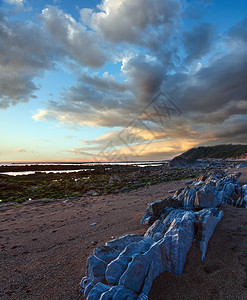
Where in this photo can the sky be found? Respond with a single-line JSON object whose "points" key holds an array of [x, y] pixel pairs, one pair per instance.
{"points": [[115, 80]]}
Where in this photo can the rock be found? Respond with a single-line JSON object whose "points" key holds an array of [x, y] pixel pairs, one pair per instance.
{"points": [[133, 261], [97, 291], [206, 197], [197, 183], [189, 198], [121, 242], [157, 207], [244, 189], [124, 189], [118, 266], [103, 255], [208, 219], [180, 162], [96, 267], [93, 224], [189, 181], [242, 165], [106, 253], [178, 192], [92, 193], [167, 254], [202, 177], [114, 179], [157, 227], [148, 218], [129, 264], [118, 293]]}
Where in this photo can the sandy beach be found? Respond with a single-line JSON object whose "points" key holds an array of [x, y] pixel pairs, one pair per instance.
{"points": [[44, 247]]}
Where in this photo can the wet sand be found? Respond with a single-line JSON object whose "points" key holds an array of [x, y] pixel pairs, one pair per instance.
{"points": [[44, 247]]}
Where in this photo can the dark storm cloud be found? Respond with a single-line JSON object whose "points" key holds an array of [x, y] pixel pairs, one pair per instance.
{"points": [[233, 129], [25, 52], [213, 87], [198, 41], [145, 75]]}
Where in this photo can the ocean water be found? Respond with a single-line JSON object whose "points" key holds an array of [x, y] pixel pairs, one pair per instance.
{"points": [[9, 164]]}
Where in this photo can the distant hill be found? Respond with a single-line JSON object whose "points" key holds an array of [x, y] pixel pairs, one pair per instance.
{"points": [[219, 151]]}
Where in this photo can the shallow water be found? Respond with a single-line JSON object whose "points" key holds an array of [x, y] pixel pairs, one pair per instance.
{"points": [[33, 172]]}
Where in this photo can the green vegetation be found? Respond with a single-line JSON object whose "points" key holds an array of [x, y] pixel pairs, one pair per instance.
{"points": [[219, 151], [74, 185]]}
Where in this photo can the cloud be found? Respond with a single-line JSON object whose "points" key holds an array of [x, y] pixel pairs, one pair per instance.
{"points": [[146, 74], [18, 3], [202, 72], [27, 50], [20, 150], [25, 53], [80, 44], [143, 22], [109, 151], [198, 41]]}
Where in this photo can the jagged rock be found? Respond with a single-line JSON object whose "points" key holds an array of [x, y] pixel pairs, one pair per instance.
{"points": [[244, 189], [157, 227], [198, 183], [242, 165], [148, 218], [103, 255], [189, 181], [97, 291], [207, 221], [130, 264], [156, 209], [118, 266], [118, 293], [172, 191], [187, 197], [167, 254], [206, 197], [142, 259], [202, 177], [178, 192]]}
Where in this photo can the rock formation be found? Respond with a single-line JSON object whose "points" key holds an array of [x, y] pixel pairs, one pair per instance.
{"points": [[124, 268]]}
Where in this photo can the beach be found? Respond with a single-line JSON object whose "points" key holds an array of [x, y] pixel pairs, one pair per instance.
{"points": [[45, 246]]}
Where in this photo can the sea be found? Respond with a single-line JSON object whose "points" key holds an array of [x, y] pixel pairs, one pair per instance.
{"points": [[79, 164]]}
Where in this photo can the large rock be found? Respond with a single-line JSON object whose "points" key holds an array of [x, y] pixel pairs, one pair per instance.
{"points": [[118, 266], [130, 263], [164, 247], [206, 197], [207, 221], [156, 209]]}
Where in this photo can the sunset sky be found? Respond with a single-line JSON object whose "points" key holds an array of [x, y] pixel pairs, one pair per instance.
{"points": [[120, 79]]}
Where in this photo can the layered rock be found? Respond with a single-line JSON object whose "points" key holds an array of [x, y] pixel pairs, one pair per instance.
{"points": [[125, 268]]}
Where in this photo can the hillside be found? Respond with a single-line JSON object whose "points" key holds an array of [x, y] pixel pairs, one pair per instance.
{"points": [[219, 151]]}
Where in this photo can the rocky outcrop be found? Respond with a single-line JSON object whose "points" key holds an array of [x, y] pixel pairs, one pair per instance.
{"points": [[125, 268], [180, 162]]}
